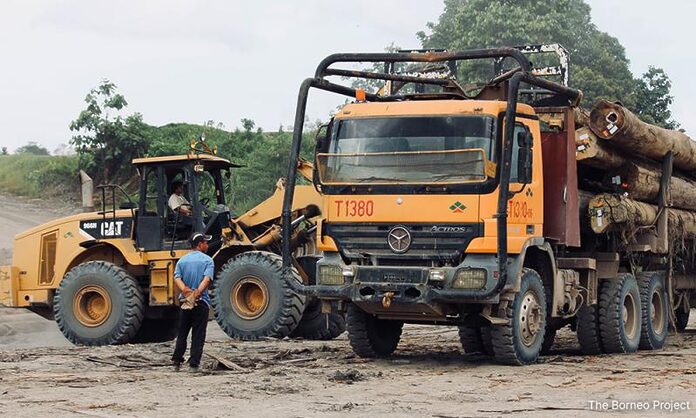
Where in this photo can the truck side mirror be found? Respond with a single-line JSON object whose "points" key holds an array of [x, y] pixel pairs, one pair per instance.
{"points": [[525, 140]]}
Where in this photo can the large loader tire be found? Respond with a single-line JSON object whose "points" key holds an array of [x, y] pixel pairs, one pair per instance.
{"points": [[315, 325], [620, 314], [370, 336], [252, 300], [519, 341], [161, 329], [476, 339], [654, 307], [98, 303]]}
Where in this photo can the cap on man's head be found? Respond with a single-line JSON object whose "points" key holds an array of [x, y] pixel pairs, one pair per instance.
{"points": [[197, 238]]}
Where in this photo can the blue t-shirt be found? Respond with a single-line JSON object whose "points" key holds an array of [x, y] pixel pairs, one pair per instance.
{"points": [[191, 269]]}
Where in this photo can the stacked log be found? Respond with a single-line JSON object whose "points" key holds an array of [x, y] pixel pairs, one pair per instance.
{"points": [[626, 153], [591, 151], [615, 123], [608, 210]]}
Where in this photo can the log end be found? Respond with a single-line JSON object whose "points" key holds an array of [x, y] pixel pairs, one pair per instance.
{"points": [[600, 212], [607, 119], [585, 144]]}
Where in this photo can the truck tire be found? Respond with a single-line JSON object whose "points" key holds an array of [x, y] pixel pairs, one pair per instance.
{"points": [[315, 325], [519, 341], [654, 311], [588, 330], [476, 339], [549, 338], [682, 319], [252, 300], [370, 336], [620, 314], [98, 303]]}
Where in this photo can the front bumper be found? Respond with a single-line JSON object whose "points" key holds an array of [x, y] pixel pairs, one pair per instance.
{"points": [[405, 286]]}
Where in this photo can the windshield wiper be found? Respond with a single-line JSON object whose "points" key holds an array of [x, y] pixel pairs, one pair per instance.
{"points": [[373, 178], [449, 176]]}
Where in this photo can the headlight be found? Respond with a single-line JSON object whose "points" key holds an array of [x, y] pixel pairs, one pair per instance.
{"points": [[469, 279], [330, 274]]}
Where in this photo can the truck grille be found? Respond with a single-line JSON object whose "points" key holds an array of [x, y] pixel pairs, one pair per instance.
{"points": [[428, 241]]}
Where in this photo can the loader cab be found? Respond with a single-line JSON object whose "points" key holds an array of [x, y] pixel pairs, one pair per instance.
{"points": [[205, 186]]}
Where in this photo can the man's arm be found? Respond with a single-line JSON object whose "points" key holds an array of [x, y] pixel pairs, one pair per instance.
{"points": [[204, 285], [207, 277], [176, 205], [182, 286], [180, 283]]}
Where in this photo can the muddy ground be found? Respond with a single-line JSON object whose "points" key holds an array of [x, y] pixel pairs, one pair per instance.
{"points": [[42, 374]]}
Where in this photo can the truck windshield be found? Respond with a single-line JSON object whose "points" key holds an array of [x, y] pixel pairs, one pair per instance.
{"points": [[410, 150]]}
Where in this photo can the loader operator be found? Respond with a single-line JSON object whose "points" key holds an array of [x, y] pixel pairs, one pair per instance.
{"points": [[192, 275], [180, 205], [177, 201]]}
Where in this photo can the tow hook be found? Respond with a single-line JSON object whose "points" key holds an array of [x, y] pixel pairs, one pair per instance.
{"points": [[387, 299]]}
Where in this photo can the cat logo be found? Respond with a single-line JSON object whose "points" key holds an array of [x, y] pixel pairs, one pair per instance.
{"points": [[457, 207], [106, 228]]}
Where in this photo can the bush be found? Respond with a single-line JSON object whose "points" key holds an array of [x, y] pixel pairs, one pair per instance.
{"points": [[40, 176]]}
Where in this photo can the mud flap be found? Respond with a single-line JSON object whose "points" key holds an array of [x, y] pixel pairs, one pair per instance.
{"points": [[9, 281]]}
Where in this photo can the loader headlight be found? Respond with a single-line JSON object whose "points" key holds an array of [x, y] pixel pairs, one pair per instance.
{"points": [[330, 274], [469, 279]]}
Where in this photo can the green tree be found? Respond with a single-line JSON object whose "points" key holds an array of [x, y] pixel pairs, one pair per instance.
{"points": [[30, 148], [653, 99], [599, 66], [4, 151], [106, 139]]}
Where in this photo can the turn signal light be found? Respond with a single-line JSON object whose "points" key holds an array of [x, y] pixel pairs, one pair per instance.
{"points": [[469, 279], [360, 95], [331, 275]]}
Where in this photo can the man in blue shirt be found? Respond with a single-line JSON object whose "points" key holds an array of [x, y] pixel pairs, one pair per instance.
{"points": [[192, 275]]}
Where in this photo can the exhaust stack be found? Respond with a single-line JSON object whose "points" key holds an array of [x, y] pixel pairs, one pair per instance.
{"points": [[87, 192]]}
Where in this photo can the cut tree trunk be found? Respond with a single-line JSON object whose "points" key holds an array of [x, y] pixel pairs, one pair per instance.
{"points": [[593, 151], [612, 212], [613, 122], [582, 117], [642, 182]]}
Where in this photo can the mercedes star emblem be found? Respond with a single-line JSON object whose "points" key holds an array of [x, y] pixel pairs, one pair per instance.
{"points": [[399, 239]]}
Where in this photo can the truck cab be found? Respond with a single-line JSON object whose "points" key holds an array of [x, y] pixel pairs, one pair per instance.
{"points": [[411, 189]]}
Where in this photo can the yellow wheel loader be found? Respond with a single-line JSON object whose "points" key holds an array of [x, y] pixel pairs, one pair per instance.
{"points": [[107, 276]]}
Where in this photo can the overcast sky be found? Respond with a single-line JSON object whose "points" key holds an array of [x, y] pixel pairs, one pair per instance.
{"points": [[192, 61]]}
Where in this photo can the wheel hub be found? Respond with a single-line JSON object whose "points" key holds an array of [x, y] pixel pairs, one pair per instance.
{"points": [[92, 305], [630, 317], [657, 313], [249, 297], [530, 318]]}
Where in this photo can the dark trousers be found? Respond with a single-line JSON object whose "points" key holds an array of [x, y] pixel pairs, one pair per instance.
{"points": [[196, 319]]}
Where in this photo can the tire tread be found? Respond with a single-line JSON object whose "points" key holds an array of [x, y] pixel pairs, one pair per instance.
{"points": [[292, 303], [134, 304]]}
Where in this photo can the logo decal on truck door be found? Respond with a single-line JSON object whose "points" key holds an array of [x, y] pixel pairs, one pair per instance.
{"points": [[457, 207]]}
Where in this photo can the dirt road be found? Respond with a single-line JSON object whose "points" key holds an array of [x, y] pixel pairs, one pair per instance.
{"points": [[428, 376], [42, 374]]}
